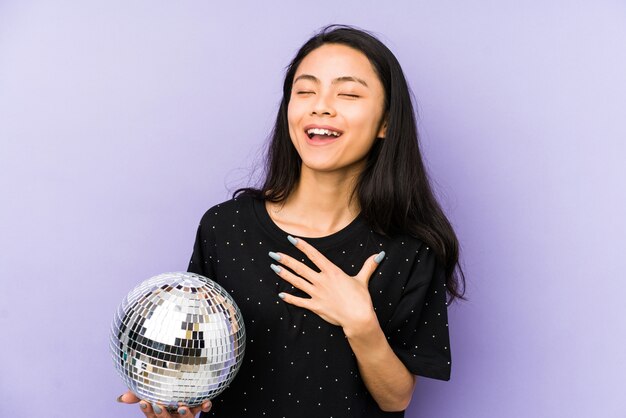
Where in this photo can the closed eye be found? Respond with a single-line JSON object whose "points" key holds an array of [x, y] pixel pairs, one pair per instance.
{"points": [[355, 96], [304, 92]]}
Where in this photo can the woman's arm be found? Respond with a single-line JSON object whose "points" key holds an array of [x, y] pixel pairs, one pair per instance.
{"points": [[387, 379]]}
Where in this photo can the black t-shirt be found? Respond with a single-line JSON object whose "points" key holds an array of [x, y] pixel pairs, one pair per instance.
{"points": [[296, 364]]}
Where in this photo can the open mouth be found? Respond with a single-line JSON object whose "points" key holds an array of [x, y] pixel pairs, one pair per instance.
{"points": [[322, 134]]}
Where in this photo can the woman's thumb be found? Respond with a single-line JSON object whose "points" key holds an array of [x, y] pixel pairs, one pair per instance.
{"points": [[369, 267]]}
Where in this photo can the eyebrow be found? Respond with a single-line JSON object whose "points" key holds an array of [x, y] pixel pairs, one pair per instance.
{"points": [[342, 79]]}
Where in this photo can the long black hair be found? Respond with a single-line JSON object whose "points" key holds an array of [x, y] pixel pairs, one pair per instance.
{"points": [[393, 190]]}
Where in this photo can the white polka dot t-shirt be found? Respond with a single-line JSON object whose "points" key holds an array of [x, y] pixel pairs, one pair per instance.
{"points": [[296, 364]]}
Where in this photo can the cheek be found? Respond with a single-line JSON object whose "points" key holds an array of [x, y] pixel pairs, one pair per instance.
{"points": [[292, 120], [293, 112], [295, 109], [364, 120]]}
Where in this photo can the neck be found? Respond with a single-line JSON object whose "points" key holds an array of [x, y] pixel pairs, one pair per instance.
{"points": [[319, 205]]}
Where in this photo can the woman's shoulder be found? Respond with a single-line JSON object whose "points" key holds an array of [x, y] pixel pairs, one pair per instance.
{"points": [[401, 239], [228, 209]]}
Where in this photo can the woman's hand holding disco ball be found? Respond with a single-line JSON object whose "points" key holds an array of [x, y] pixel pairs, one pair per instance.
{"points": [[130, 398]]}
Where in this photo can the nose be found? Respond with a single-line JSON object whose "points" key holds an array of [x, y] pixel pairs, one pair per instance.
{"points": [[323, 106]]}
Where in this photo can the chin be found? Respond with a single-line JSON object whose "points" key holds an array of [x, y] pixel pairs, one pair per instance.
{"points": [[325, 167]]}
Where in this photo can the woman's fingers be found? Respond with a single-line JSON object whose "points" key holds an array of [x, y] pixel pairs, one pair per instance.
{"points": [[156, 410], [204, 407], [185, 411], [297, 281], [149, 410], [323, 263], [128, 397], [146, 408], [296, 301], [335, 296], [160, 411], [299, 268], [369, 267]]}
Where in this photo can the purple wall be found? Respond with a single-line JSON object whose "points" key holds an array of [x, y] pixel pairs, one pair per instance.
{"points": [[121, 122]]}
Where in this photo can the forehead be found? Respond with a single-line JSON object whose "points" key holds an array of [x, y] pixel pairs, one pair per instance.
{"points": [[330, 61]]}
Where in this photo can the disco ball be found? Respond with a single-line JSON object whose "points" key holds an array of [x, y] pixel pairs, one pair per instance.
{"points": [[177, 337]]}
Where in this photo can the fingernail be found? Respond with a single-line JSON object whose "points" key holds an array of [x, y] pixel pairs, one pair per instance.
{"points": [[379, 257], [143, 405], [182, 411], [274, 255], [292, 240], [276, 268], [157, 409], [281, 295], [119, 398]]}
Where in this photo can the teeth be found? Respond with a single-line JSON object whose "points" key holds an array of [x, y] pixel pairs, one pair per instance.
{"points": [[317, 131]]}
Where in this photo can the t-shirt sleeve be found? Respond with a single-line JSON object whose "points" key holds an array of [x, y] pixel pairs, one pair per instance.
{"points": [[201, 261], [418, 328]]}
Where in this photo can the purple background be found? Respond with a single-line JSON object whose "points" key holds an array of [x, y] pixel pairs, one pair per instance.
{"points": [[122, 122]]}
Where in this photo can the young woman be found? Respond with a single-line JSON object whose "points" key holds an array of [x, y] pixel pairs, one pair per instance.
{"points": [[343, 262]]}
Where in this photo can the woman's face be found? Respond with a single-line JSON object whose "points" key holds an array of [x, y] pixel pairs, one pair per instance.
{"points": [[335, 111]]}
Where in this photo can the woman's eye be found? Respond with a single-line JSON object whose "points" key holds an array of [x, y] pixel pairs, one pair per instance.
{"points": [[355, 96], [304, 92]]}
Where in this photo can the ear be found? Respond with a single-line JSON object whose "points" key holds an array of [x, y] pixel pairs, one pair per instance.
{"points": [[382, 132]]}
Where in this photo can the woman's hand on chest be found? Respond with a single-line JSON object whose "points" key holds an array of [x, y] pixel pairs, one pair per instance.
{"points": [[335, 296]]}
